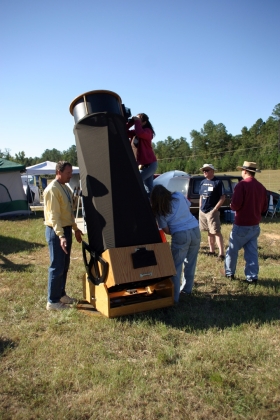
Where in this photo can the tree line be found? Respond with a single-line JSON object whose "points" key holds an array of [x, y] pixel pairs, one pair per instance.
{"points": [[52, 155], [212, 144]]}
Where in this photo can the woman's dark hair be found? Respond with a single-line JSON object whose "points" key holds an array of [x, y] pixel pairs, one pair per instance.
{"points": [[144, 117], [61, 165], [161, 201]]}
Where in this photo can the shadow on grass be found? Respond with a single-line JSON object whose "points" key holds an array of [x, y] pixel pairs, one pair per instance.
{"points": [[201, 312], [10, 245], [8, 265], [38, 214], [269, 256], [6, 345], [272, 284], [269, 221]]}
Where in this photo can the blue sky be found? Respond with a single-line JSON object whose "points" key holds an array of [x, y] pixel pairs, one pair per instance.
{"points": [[181, 62]]}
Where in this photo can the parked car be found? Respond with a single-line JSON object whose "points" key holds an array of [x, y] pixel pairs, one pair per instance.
{"points": [[189, 186]]}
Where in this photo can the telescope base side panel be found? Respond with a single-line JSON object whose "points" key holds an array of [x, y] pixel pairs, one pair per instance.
{"points": [[158, 294]]}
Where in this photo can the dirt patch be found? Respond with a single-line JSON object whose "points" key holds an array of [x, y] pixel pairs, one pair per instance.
{"points": [[4, 290], [272, 236]]}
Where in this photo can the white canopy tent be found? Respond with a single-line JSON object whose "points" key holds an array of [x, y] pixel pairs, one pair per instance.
{"points": [[46, 168], [49, 168]]}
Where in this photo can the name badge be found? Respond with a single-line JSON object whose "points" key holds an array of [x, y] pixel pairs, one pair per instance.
{"points": [[210, 188]]}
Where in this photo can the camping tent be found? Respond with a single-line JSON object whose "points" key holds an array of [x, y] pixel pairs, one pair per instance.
{"points": [[13, 200], [46, 168]]}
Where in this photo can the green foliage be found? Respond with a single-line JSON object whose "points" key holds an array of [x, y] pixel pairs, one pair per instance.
{"points": [[53, 155], [260, 143], [276, 112], [71, 155], [6, 154], [212, 144], [24, 160]]}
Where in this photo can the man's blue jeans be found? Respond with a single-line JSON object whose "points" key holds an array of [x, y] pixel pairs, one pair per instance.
{"points": [[59, 263], [184, 247], [147, 174], [243, 237]]}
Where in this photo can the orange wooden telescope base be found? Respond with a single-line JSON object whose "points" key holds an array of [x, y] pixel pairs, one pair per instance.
{"points": [[123, 289]]}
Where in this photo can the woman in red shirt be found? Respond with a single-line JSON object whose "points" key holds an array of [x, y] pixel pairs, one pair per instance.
{"points": [[141, 142]]}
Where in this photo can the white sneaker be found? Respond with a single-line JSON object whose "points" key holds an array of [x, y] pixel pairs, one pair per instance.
{"points": [[58, 306], [67, 299]]}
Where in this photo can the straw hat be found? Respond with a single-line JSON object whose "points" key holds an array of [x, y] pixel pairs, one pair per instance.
{"points": [[249, 166]]}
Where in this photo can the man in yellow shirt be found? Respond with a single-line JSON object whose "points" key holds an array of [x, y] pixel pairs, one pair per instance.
{"points": [[59, 221]]}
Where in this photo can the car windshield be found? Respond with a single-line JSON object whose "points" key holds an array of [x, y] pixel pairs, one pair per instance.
{"points": [[196, 185], [226, 186]]}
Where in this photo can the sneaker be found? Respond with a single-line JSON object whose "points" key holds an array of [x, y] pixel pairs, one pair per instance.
{"points": [[221, 258], [58, 306], [67, 299], [250, 281], [184, 293]]}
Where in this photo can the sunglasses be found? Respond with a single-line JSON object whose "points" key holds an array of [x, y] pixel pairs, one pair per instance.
{"points": [[206, 170]]}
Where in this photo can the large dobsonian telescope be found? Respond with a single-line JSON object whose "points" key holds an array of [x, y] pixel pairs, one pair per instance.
{"points": [[128, 267]]}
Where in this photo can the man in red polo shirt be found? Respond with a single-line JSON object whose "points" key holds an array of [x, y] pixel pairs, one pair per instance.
{"points": [[249, 201]]}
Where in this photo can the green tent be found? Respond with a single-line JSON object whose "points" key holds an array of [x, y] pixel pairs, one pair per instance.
{"points": [[13, 200]]}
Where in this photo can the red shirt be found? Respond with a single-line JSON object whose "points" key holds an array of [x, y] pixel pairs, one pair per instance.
{"points": [[249, 201], [145, 153]]}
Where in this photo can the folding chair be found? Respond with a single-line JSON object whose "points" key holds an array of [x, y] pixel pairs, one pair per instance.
{"points": [[81, 202], [273, 210], [276, 208], [270, 210]]}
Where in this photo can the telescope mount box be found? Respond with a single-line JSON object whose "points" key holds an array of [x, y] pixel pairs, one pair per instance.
{"points": [[127, 290]]}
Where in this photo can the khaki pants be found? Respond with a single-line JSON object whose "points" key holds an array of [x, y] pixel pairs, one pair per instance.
{"points": [[210, 221]]}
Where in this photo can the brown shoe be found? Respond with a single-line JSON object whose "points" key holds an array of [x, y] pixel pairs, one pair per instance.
{"points": [[67, 299], [221, 258], [58, 306]]}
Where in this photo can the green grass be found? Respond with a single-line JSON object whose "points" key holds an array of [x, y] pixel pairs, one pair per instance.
{"points": [[214, 356]]}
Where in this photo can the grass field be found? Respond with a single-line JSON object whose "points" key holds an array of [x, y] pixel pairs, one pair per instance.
{"points": [[214, 356]]}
